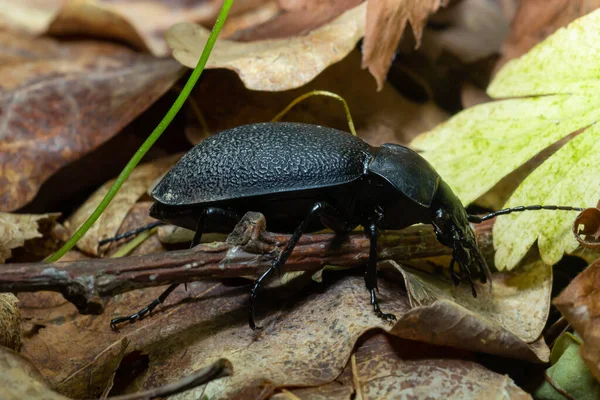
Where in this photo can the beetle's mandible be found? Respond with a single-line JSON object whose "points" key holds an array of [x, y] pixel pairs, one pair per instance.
{"points": [[305, 177]]}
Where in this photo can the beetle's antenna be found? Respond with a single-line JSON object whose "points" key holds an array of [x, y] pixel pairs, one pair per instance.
{"points": [[130, 233], [476, 219]]}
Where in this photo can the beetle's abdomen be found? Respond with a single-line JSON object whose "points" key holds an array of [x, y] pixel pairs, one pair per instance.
{"points": [[259, 159]]}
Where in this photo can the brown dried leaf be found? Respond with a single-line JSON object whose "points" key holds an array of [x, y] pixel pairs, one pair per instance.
{"points": [[588, 223], [112, 218], [10, 322], [275, 64], [56, 107], [390, 367], [330, 391], [305, 342], [15, 229], [297, 18], [535, 20], [519, 303], [386, 20], [141, 23], [19, 379], [384, 117], [28, 16], [580, 304]]}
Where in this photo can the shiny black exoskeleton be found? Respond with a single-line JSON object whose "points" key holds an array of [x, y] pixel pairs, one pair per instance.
{"points": [[306, 177]]}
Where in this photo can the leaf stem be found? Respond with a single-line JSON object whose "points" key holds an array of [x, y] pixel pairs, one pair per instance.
{"points": [[183, 95]]}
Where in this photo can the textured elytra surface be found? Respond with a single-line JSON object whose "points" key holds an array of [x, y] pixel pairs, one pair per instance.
{"points": [[259, 159]]}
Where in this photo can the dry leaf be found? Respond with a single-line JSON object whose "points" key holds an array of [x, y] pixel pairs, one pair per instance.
{"points": [[580, 304], [296, 18], [20, 380], [384, 117], [141, 23], [138, 216], [587, 223], [519, 302], [386, 20], [330, 391], [537, 19], [15, 229], [10, 322], [275, 64], [306, 341], [28, 16], [392, 368], [56, 107], [110, 220]]}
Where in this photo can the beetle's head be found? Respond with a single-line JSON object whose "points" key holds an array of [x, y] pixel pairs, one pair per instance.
{"points": [[451, 225]]}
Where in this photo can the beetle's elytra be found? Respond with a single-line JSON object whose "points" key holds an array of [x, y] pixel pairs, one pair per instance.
{"points": [[305, 177]]}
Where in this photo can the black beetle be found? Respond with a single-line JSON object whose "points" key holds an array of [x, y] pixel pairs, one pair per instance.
{"points": [[293, 173]]}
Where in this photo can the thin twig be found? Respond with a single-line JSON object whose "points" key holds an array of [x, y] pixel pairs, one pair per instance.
{"points": [[248, 251]]}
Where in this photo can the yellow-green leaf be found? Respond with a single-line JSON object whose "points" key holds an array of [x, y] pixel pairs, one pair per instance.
{"points": [[556, 86]]}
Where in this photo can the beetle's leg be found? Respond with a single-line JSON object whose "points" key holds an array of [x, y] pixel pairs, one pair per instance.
{"points": [[372, 232], [207, 212], [319, 209]]}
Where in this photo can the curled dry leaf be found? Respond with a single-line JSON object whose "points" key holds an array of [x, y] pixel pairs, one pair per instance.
{"points": [[15, 229], [386, 20], [111, 219], [19, 379], [56, 107], [390, 367], [275, 64], [580, 304], [537, 19], [141, 23], [588, 223], [10, 322]]}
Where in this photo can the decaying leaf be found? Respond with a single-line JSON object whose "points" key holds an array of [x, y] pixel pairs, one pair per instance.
{"points": [[580, 304], [568, 373], [110, 221], [586, 228], [296, 18], [558, 82], [392, 368], [10, 322], [386, 20], [139, 23], [15, 229], [274, 64], [519, 302], [56, 107], [537, 19], [306, 341]]}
